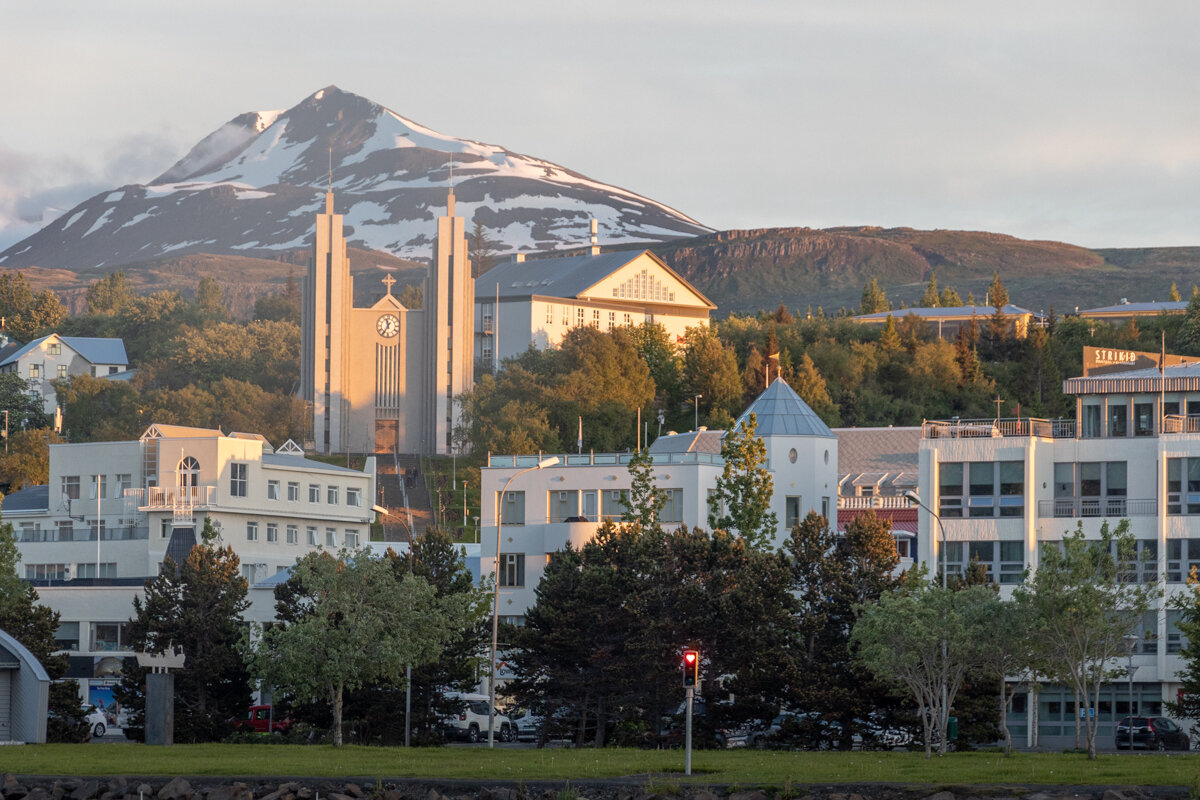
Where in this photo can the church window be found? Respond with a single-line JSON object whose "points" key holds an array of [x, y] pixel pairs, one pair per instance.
{"points": [[628, 319], [595, 318], [549, 314], [579, 317], [612, 319]]}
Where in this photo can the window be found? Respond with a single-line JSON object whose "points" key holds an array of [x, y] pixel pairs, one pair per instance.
{"points": [[516, 620], [579, 317], [62, 370], [487, 350], [35, 370], [331, 495], [613, 503], [293, 492], [1140, 564], [1091, 421], [238, 479], [311, 533], [107, 636], [354, 497], [314, 493], [251, 531], [124, 483], [248, 573], [45, 572], [272, 490], [566, 316], [1176, 639], [1181, 498], [791, 511], [293, 534], [1183, 555], [70, 486], [512, 508], [628, 319], [512, 569], [54, 348], [1117, 419], [1004, 561], [672, 510], [272, 532], [993, 489], [67, 636], [549, 313], [1143, 419], [351, 538], [98, 482], [331, 537], [612, 319], [563, 504], [825, 508], [953, 558], [595, 318], [108, 569]]}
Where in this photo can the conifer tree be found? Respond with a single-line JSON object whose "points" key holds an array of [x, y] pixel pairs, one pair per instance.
{"points": [[932, 298], [1174, 294], [997, 294], [741, 503], [873, 298], [949, 298], [889, 340]]}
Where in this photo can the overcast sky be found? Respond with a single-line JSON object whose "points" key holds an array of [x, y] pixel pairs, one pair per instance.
{"points": [[1075, 121]]}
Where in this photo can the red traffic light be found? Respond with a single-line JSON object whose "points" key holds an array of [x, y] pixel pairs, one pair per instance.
{"points": [[691, 668], [690, 657]]}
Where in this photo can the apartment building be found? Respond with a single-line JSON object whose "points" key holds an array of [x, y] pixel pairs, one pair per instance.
{"points": [[113, 511], [1006, 489]]}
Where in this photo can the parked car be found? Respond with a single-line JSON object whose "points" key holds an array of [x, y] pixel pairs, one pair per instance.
{"points": [[471, 722], [1151, 733], [261, 719], [97, 722]]}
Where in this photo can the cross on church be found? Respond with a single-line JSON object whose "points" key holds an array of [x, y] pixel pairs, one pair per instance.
{"points": [[389, 281]]}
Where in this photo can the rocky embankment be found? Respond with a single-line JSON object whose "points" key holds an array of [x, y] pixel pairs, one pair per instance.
{"points": [[17, 787]]}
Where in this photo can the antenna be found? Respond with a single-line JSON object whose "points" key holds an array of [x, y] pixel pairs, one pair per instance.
{"points": [[452, 172], [331, 168]]}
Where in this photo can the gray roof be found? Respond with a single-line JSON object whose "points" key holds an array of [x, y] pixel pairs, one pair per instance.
{"points": [[95, 350], [31, 498], [704, 441], [779, 411], [878, 449], [948, 312], [554, 277], [1150, 307], [288, 460]]}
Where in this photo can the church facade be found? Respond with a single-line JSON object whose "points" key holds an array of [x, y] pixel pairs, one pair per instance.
{"points": [[385, 376]]}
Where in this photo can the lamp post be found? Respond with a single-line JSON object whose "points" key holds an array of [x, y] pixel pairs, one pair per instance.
{"points": [[912, 497], [542, 464], [696, 401], [1131, 639]]}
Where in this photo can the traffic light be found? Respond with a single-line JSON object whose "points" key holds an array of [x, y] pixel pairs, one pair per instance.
{"points": [[691, 669]]}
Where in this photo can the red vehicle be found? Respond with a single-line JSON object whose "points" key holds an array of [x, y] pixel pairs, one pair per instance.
{"points": [[260, 720]]}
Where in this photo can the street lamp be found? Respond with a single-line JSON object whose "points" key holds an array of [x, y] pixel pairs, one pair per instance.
{"points": [[1131, 639], [696, 401], [914, 498], [542, 464]]}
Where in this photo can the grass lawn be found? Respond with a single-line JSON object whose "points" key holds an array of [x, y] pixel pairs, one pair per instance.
{"points": [[746, 768]]}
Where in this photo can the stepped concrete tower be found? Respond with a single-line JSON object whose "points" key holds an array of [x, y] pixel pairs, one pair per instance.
{"points": [[385, 377]]}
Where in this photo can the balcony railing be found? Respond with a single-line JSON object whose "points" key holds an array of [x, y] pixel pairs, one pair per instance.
{"points": [[602, 459], [998, 428], [876, 501], [1181, 423], [122, 533], [179, 497], [1083, 507]]}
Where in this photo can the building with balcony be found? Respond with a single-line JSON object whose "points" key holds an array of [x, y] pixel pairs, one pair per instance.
{"points": [[947, 321], [544, 509], [521, 304], [113, 511], [1007, 489], [876, 467], [44, 360]]}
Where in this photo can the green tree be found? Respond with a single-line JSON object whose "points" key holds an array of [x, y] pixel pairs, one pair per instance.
{"points": [[741, 502], [1188, 337], [997, 294], [1188, 606], [198, 606], [351, 621], [889, 339], [281, 306], [210, 299], [22, 409], [949, 298], [646, 500], [1174, 294], [874, 299], [1008, 651], [1084, 602], [27, 462], [932, 298], [35, 625], [109, 294], [483, 249], [811, 387], [925, 638], [710, 369], [412, 296], [27, 314]]}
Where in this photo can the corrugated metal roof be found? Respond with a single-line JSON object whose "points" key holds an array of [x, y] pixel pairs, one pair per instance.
{"points": [[779, 411], [31, 498], [1179, 378], [878, 449], [95, 350], [1163, 306], [554, 277], [951, 312]]}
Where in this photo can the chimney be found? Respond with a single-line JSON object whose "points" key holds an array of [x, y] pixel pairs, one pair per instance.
{"points": [[595, 246]]}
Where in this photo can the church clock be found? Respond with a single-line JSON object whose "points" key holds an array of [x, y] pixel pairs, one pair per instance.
{"points": [[388, 326]]}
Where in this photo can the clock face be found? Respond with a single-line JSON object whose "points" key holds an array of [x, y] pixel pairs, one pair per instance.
{"points": [[388, 325]]}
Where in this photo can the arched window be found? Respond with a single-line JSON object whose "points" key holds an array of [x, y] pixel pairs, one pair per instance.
{"points": [[188, 476]]}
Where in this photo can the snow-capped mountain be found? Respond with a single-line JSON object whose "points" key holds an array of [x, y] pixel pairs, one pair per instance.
{"points": [[252, 187]]}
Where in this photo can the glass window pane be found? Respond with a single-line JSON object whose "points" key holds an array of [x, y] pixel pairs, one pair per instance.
{"points": [[950, 479], [1116, 420], [1089, 479], [1116, 478], [1012, 477], [1064, 480], [1173, 475], [1193, 474], [983, 478]]}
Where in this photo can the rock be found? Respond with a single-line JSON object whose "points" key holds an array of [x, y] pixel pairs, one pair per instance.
{"points": [[353, 789], [432, 794], [304, 793], [275, 795], [11, 788], [751, 795], [86, 790], [392, 794], [144, 790], [118, 785], [943, 795], [704, 794], [176, 789]]}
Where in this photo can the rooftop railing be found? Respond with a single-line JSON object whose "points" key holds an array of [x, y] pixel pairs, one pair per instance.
{"points": [[602, 459], [1181, 423], [998, 428], [876, 501]]}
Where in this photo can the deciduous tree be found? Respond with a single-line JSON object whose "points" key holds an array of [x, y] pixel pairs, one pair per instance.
{"points": [[741, 502]]}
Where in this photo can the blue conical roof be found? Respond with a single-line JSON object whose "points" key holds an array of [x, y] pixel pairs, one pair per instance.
{"points": [[779, 411]]}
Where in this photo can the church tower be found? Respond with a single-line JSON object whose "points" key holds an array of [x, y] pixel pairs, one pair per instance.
{"points": [[449, 332], [325, 354]]}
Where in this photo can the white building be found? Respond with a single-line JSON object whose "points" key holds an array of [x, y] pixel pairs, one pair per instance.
{"points": [[112, 511], [522, 304], [43, 360], [543, 509], [1007, 488]]}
